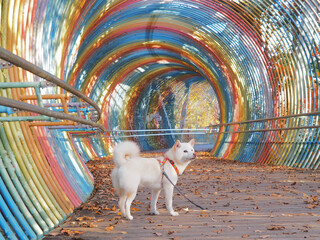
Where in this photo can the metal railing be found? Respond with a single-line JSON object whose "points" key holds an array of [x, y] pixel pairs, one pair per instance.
{"points": [[268, 120], [22, 63], [147, 133]]}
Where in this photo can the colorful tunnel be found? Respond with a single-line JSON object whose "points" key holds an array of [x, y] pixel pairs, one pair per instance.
{"points": [[241, 76]]}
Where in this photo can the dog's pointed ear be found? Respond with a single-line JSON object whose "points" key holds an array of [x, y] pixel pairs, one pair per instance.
{"points": [[177, 144], [192, 142]]}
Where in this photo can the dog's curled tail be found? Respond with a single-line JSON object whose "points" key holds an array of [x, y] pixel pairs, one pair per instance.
{"points": [[123, 151]]}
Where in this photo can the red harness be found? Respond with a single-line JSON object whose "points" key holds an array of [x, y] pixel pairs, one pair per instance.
{"points": [[162, 162]]}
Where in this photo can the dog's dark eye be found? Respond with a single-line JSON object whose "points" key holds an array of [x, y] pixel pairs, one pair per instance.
{"points": [[185, 151]]}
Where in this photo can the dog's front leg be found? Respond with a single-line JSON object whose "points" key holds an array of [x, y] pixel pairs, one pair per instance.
{"points": [[154, 199], [168, 190]]}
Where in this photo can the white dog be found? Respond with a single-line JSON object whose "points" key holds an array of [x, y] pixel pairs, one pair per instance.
{"points": [[131, 171]]}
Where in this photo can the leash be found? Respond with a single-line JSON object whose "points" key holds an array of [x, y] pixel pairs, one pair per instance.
{"points": [[181, 191]]}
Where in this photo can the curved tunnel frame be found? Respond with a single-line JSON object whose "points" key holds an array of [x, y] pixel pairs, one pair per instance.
{"points": [[50, 211], [260, 58]]}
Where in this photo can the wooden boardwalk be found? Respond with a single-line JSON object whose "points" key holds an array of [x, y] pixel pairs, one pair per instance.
{"points": [[242, 201]]}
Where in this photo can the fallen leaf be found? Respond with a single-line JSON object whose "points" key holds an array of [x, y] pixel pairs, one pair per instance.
{"points": [[275, 195], [245, 236], [110, 228], [78, 232], [218, 231], [87, 224], [80, 219], [310, 206], [249, 198], [99, 212], [116, 218], [275, 227], [150, 220], [135, 209], [305, 195], [66, 232]]}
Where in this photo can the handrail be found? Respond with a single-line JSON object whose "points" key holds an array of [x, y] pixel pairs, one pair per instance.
{"points": [[20, 62], [35, 85], [268, 130], [264, 119], [32, 108]]}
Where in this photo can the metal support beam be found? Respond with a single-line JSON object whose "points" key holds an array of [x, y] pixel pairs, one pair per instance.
{"points": [[32, 108], [20, 62]]}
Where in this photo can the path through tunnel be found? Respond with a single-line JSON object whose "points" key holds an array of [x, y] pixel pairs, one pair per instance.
{"points": [[241, 77]]}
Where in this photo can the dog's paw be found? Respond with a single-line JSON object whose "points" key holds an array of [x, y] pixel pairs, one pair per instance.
{"points": [[129, 217], [173, 213], [155, 213]]}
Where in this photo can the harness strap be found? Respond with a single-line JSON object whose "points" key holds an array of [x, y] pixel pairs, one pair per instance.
{"points": [[162, 162], [173, 165]]}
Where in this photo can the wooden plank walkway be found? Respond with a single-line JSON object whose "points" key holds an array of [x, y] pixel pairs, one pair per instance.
{"points": [[242, 201]]}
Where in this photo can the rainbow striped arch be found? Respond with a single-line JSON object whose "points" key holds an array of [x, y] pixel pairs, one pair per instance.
{"points": [[241, 77]]}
